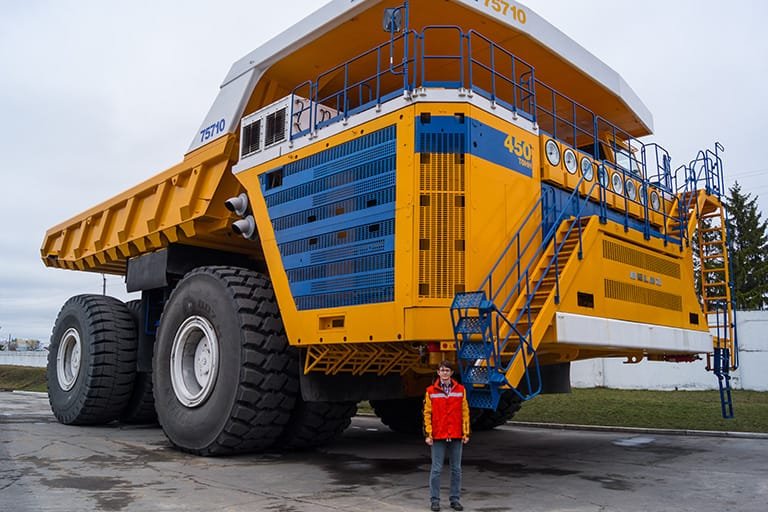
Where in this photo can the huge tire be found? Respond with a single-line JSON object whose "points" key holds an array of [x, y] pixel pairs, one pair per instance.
{"points": [[224, 378], [404, 415], [314, 424], [486, 419], [141, 406], [91, 360]]}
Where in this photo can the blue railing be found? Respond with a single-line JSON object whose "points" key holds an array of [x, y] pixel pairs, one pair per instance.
{"points": [[574, 207], [398, 66], [501, 77], [475, 63], [439, 61], [522, 249]]}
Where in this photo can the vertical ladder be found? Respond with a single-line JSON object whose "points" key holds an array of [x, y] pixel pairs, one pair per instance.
{"points": [[707, 215], [717, 295]]}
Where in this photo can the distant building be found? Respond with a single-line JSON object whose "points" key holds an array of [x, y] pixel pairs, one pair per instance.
{"points": [[24, 345]]}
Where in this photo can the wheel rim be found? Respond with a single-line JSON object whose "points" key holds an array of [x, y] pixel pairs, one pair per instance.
{"points": [[194, 361], [68, 359]]}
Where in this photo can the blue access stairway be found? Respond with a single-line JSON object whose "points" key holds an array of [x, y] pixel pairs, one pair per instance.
{"points": [[498, 328]]}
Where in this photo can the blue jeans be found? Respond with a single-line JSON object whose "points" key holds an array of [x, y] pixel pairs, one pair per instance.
{"points": [[439, 449]]}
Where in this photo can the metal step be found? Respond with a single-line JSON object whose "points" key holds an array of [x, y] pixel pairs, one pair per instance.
{"points": [[477, 375], [483, 398], [471, 325], [472, 350], [483, 375], [467, 300]]}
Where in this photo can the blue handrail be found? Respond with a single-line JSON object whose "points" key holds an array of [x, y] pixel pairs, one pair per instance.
{"points": [[481, 66], [525, 345], [573, 200], [426, 57]]}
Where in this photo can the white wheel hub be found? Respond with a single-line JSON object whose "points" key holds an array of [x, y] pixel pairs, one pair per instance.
{"points": [[68, 359], [194, 361]]}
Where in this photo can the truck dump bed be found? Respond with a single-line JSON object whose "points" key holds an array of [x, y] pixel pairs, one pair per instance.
{"points": [[183, 204]]}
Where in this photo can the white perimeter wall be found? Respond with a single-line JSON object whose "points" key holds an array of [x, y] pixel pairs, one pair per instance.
{"points": [[752, 328], [37, 358]]}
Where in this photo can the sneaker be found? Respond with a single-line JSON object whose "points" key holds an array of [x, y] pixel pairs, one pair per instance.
{"points": [[435, 506], [455, 505]]}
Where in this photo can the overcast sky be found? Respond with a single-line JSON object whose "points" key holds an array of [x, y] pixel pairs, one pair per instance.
{"points": [[96, 96]]}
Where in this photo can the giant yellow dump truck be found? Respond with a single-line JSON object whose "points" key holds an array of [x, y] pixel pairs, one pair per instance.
{"points": [[380, 187]]}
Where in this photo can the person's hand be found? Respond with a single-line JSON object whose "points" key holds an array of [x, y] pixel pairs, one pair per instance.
{"points": [[465, 439], [429, 441]]}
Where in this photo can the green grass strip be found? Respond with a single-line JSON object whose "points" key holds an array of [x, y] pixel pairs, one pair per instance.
{"points": [[687, 410], [22, 378]]}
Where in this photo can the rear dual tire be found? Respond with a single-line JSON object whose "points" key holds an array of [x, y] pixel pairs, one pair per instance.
{"points": [[141, 406], [91, 360]]}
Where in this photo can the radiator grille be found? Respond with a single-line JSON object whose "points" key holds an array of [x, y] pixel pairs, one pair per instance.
{"points": [[333, 215], [624, 254], [442, 225], [632, 293]]}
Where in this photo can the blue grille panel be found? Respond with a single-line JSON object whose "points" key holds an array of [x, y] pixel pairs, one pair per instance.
{"points": [[332, 300], [339, 238], [385, 136], [367, 170], [353, 266], [333, 217]]}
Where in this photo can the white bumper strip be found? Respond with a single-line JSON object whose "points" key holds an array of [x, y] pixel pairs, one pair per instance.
{"points": [[589, 331]]}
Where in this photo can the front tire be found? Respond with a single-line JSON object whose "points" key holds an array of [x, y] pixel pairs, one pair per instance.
{"points": [[403, 415], [91, 360], [224, 378], [314, 424], [486, 419]]}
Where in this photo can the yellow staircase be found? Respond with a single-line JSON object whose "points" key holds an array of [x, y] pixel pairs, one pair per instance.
{"points": [[533, 311]]}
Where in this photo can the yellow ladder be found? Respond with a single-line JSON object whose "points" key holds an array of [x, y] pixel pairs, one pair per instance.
{"points": [[717, 301]]}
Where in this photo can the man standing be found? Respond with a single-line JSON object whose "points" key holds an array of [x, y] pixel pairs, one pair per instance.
{"points": [[446, 428]]}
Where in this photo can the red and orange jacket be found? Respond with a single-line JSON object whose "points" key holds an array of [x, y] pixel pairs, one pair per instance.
{"points": [[446, 415]]}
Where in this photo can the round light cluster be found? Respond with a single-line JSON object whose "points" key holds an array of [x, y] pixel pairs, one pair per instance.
{"points": [[655, 201], [552, 151], [617, 183], [631, 190], [570, 161]]}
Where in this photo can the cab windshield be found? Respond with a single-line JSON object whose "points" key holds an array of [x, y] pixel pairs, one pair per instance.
{"points": [[627, 162]]}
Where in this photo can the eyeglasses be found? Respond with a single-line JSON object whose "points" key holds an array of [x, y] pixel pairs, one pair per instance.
{"points": [[444, 370]]}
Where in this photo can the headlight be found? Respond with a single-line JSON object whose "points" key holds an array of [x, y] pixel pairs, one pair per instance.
{"points": [[631, 190], [570, 161], [616, 183], [553, 152], [586, 169], [655, 201]]}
